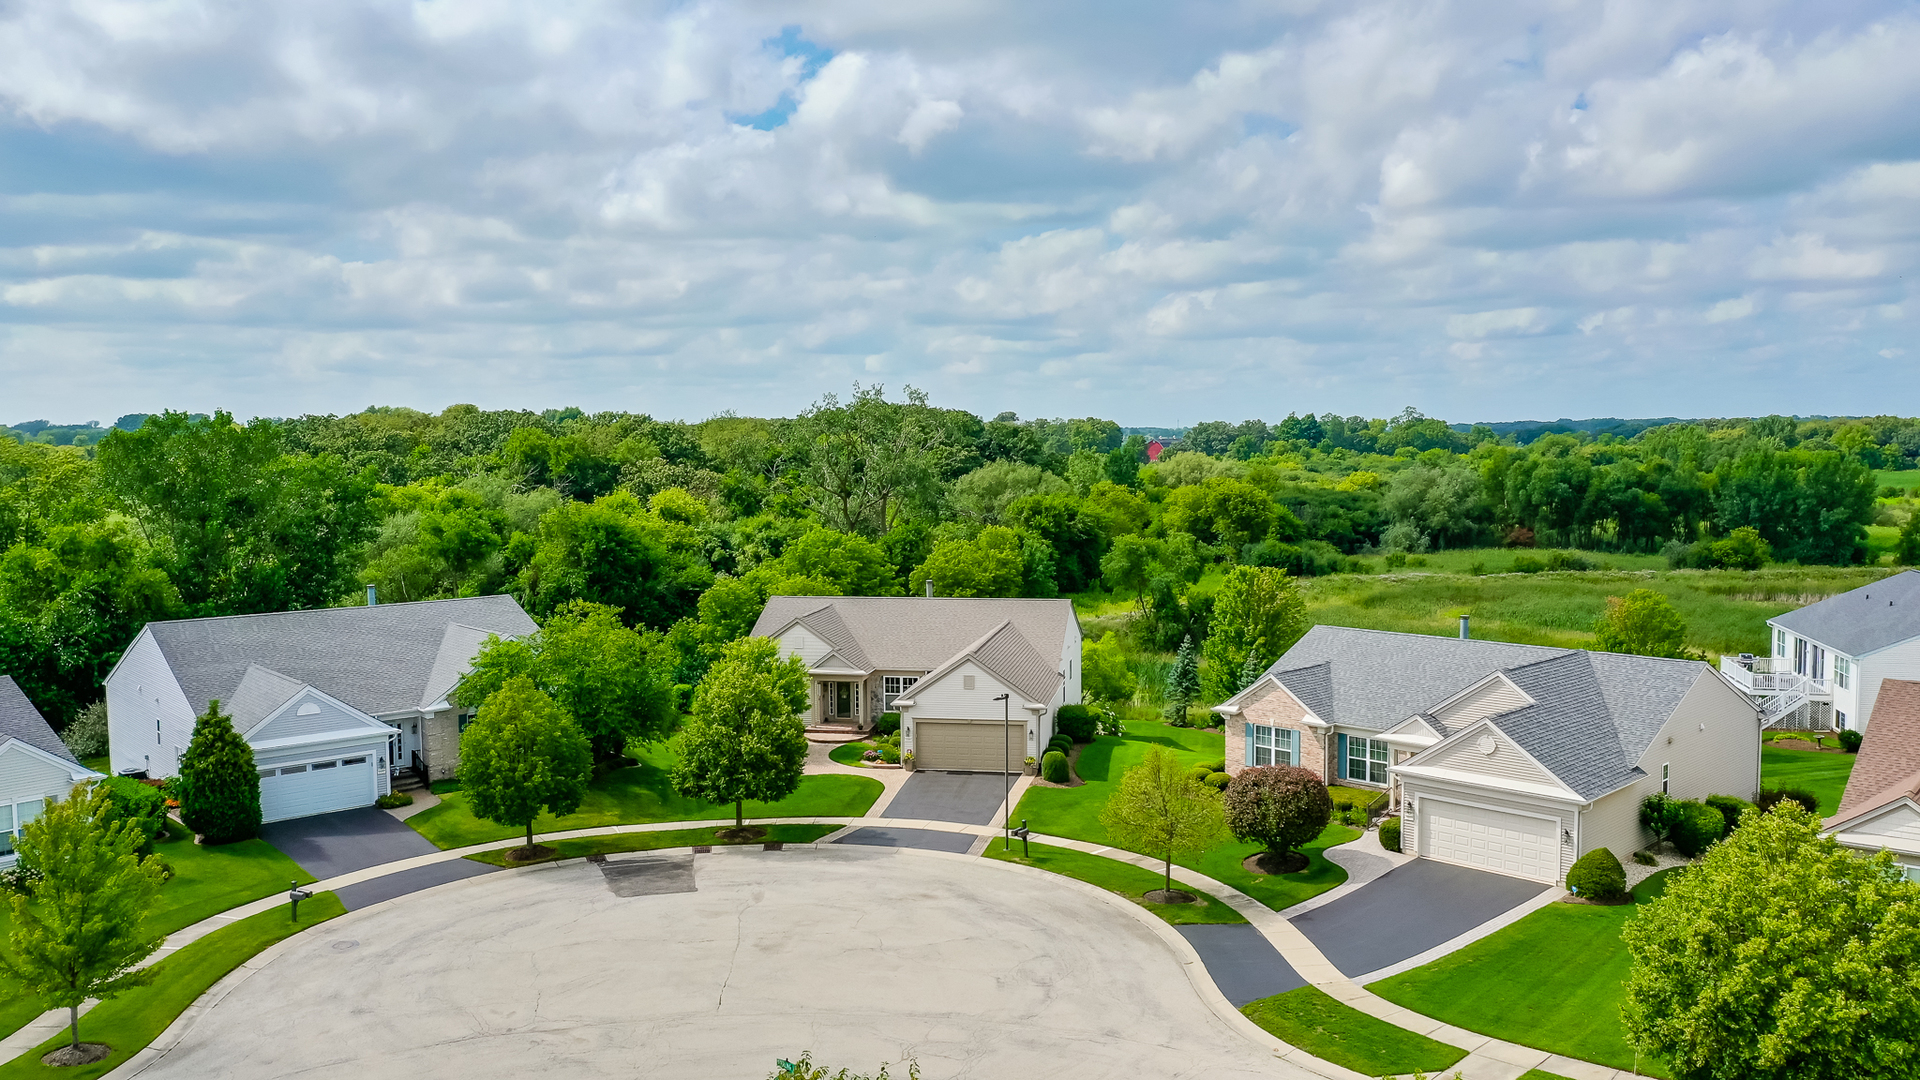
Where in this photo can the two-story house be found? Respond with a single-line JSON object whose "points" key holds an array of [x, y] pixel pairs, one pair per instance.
{"points": [[976, 681], [1512, 758], [1830, 658]]}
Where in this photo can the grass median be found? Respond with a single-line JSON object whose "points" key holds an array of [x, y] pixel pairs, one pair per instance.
{"points": [[651, 841], [1114, 876], [1332, 1031], [130, 1022]]}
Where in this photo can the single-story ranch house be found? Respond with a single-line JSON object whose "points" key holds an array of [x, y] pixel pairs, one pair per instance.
{"points": [[1881, 807], [1512, 758], [34, 766], [334, 701], [941, 663]]}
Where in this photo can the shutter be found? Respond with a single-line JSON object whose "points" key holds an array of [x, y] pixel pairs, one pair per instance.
{"points": [[1249, 733], [1293, 748], [1340, 749]]}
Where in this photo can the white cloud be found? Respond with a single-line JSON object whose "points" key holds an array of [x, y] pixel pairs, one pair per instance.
{"points": [[1193, 212]]}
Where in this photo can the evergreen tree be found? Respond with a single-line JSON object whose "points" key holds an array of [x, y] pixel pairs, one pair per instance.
{"points": [[81, 936], [1183, 682], [219, 788], [1252, 669]]}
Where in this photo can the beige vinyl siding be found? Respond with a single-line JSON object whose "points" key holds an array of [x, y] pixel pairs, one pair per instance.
{"points": [[1613, 821], [805, 644], [27, 775], [947, 698], [373, 745], [1898, 823], [140, 690], [1900, 661], [1492, 698], [1507, 762], [1712, 740]]}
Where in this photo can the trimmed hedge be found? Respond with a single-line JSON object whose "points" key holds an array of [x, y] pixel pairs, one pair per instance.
{"points": [[1218, 781], [1077, 722], [1598, 875], [1730, 808], [1850, 740], [1696, 827], [887, 723], [1053, 767], [1390, 833]]}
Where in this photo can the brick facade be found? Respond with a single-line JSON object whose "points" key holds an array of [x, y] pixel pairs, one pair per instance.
{"points": [[1271, 705]]}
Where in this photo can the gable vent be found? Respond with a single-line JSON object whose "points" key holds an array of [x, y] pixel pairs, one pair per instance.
{"points": [[307, 709]]}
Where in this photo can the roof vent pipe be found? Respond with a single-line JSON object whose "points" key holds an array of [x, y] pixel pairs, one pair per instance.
{"points": [[371, 601], [1463, 628], [929, 588]]}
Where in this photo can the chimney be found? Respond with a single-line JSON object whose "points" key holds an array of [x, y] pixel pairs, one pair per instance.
{"points": [[1463, 623], [371, 601], [929, 588]]}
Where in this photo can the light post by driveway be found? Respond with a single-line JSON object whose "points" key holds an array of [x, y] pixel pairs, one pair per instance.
{"points": [[1006, 774]]}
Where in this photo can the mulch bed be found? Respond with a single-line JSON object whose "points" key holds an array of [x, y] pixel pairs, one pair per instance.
{"points": [[1622, 902], [740, 836], [1266, 862], [1804, 746], [536, 853], [1169, 896], [84, 1054]]}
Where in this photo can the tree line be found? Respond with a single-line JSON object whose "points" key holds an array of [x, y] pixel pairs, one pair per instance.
{"points": [[684, 529]]}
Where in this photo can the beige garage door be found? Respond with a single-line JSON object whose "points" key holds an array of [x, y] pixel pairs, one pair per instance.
{"points": [[1489, 839], [958, 744]]}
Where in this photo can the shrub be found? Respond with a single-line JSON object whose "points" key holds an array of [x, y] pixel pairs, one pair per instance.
{"points": [[1077, 722], [219, 787], [1772, 797], [1730, 808], [1850, 740], [1279, 806], [1390, 833], [1598, 875], [1567, 560], [1696, 828], [393, 800], [1219, 765], [1199, 773], [1645, 858], [1657, 814], [20, 879], [1053, 767], [145, 806], [1527, 564], [887, 723], [890, 755], [163, 866], [1060, 743], [86, 736], [1218, 781]]}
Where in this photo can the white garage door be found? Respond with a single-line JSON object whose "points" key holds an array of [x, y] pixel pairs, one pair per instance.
{"points": [[1488, 839], [316, 787], [977, 747]]}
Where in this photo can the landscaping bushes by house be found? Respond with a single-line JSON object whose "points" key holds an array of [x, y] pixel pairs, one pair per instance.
{"points": [[1730, 808], [1077, 722], [1772, 797], [1390, 833], [1696, 828], [1053, 767], [1598, 875]]}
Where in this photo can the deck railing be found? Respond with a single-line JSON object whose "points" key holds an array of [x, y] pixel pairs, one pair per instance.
{"points": [[1764, 676]]}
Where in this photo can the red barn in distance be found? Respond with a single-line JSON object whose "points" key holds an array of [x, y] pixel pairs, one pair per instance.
{"points": [[1153, 450]]}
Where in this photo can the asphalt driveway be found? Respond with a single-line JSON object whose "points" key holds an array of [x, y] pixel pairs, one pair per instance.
{"points": [[966, 797], [329, 845], [929, 839], [1409, 910]]}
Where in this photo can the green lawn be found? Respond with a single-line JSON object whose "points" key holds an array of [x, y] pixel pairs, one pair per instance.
{"points": [[1540, 1074], [1553, 981], [1499, 560], [1314, 1022], [643, 794], [1125, 879], [652, 841], [1075, 812], [206, 881], [1824, 775], [849, 753], [134, 1019]]}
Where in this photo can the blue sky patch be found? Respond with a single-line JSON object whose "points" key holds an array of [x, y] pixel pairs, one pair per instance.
{"points": [[788, 43]]}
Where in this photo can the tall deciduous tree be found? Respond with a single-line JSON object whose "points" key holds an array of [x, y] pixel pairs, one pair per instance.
{"points": [[991, 564], [1158, 810], [1104, 675], [870, 461], [745, 739], [522, 755], [613, 551], [1643, 623], [1257, 615], [219, 786], [1780, 956], [615, 682], [81, 935]]}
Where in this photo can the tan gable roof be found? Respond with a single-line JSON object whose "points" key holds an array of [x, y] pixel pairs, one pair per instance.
{"points": [[1888, 766], [918, 633]]}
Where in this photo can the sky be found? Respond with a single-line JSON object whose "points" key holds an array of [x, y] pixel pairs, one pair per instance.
{"points": [[1157, 213]]}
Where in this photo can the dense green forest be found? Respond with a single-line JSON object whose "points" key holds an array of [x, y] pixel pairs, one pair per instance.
{"points": [[686, 528]]}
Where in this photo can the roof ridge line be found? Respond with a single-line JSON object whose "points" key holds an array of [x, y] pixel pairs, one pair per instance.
{"points": [[342, 607]]}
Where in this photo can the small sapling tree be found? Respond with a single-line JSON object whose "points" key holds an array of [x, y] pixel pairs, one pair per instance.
{"points": [[1159, 810]]}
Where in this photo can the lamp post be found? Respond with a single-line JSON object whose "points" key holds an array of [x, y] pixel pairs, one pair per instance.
{"points": [[1006, 774]]}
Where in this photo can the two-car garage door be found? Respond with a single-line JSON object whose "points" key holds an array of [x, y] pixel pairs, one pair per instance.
{"points": [[1489, 839], [317, 787], [976, 746]]}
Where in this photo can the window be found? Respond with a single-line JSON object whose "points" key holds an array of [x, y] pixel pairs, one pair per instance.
{"points": [[15, 815], [1843, 672], [264, 773], [318, 765], [1840, 718], [292, 769], [464, 719], [1367, 760], [893, 686], [355, 761], [1272, 746], [1666, 774], [1779, 643]]}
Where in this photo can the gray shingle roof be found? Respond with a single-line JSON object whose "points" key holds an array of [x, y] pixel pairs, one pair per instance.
{"points": [[261, 691], [20, 720], [1863, 620], [919, 633], [380, 660], [1594, 713]]}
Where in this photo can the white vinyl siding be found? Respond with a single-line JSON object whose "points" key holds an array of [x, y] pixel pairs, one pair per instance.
{"points": [[147, 714], [1495, 696], [1900, 661]]}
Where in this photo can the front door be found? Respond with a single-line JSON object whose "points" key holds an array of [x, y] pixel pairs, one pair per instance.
{"points": [[407, 741], [843, 701]]}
